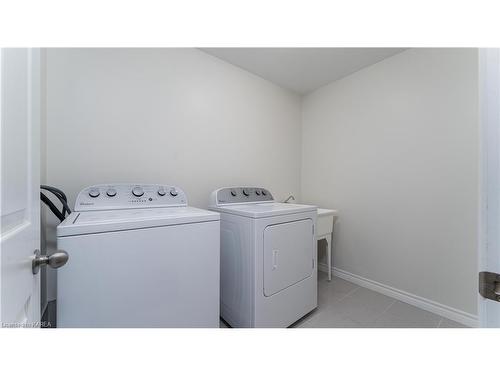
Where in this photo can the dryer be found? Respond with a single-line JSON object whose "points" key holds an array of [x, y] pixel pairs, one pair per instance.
{"points": [[139, 256], [268, 258]]}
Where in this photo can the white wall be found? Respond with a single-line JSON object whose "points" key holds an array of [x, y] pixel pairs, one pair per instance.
{"points": [[394, 147], [172, 116]]}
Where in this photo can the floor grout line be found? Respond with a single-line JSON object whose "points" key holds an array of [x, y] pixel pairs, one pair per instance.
{"points": [[349, 293], [388, 307], [385, 310]]}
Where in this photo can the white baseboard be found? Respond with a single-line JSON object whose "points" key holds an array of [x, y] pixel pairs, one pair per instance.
{"points": [[448, 312]]}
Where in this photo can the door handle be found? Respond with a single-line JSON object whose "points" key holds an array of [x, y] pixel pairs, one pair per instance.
{"points": [[55, 260], [275, 259]]}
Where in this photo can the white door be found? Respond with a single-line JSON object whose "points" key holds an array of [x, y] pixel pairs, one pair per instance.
{"points": [[288, 255], [489, 254], [19, 187]]}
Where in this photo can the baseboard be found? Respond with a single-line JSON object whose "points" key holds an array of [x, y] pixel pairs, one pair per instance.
{"points": [[448, 312]]}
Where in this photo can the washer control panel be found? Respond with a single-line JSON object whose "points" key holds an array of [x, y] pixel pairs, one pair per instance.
{"points": [[126, 196], [241, 195]]}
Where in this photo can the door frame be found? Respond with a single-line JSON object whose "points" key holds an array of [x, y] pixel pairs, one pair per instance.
{"points": [[489, 177]]}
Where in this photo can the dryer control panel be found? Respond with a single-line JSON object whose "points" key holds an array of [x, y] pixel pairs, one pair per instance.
{"points": [[238, 195], [127, 196]]}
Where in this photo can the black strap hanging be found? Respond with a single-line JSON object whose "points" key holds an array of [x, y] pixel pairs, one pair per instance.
{"points": [[59, 194]]}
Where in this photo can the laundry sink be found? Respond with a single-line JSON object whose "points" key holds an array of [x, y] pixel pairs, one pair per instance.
{"points": [[325, 221]]}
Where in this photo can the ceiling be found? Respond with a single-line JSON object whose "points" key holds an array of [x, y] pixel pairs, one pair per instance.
{"points": [[302, 70]]}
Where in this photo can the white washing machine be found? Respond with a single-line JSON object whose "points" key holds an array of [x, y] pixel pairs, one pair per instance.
{"points": [[268, 258], [138, 257]]}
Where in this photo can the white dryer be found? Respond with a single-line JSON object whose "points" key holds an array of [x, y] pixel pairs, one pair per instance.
{"points": [[138, 257], [268, 258]]}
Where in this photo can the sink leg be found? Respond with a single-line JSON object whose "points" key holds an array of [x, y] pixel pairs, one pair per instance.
{"points": [[329, 257]]}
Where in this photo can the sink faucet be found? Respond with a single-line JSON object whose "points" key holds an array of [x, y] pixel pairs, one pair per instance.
{"points": [[288, 199]]}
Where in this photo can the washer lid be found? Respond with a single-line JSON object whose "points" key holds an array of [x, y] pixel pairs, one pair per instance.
{"points": [[258, 210], [88, 222]]}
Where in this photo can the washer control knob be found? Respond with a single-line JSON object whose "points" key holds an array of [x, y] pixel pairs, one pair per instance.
{"points": [[138, 191], [257, 192], [173, 193], [233, 193], [111, 192], [162, 191], [246, 193], [94, 193], [264, 192]]}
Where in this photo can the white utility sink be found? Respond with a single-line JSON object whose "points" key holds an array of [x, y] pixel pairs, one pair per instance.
{"points": [[326, 219]]}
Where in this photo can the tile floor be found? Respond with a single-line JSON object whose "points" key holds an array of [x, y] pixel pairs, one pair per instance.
{"points": [[342, 304]]}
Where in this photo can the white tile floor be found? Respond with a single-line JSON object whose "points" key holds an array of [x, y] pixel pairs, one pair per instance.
{"points": [[342, 304]]}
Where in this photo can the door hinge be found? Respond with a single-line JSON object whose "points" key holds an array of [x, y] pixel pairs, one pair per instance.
{"points": [[489, 285]]}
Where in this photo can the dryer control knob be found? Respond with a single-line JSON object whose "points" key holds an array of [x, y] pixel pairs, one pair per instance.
{"points": [[245, 192], [138, 191], [233, 193], [257, 192], [162, 192], [173, 193], [111, 192], [264, 192], [94, 193]]}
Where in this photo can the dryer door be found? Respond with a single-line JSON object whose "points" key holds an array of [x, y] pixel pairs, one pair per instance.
{"points": [[288, 254]]}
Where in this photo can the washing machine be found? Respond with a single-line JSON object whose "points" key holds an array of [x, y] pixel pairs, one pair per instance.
{"points": [[268, 258], [139, 256]]}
